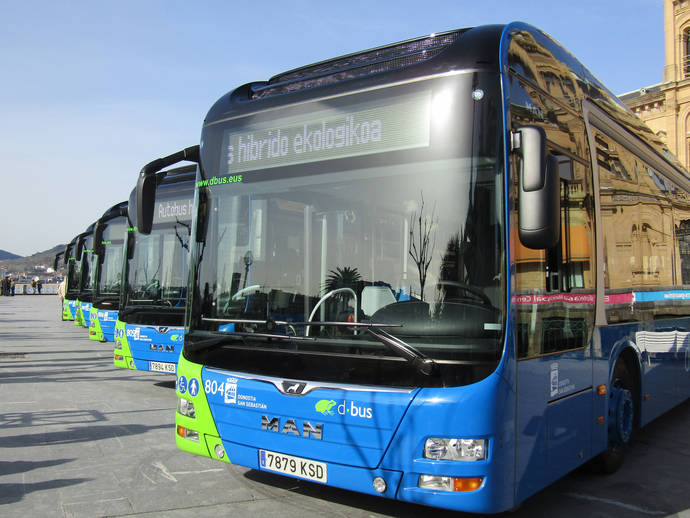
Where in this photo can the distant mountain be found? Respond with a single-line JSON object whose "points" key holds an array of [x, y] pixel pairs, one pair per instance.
{"points": [[34, 264], [4, 254]]}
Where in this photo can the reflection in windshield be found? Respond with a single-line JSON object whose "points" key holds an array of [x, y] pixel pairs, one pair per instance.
{"points": [[73, 269], [87, 272], [111, 263], [367, 227], [387, 246], [158, 268]]}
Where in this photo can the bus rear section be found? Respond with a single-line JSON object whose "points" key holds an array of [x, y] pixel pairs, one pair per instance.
{"points": [[109, 241], [149, 332]]}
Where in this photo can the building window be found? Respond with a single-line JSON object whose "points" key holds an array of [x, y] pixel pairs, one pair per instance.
{"points": [[686, 53]]}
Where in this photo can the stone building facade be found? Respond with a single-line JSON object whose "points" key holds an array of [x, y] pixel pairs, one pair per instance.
{"points": [[665, 107]]}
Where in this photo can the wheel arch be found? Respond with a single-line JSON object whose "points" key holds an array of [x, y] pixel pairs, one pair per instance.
{"points": [[629, 354]]}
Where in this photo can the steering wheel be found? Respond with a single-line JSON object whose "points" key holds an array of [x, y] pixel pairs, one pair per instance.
{"points": [[325, 298], [151, 289], [474, 292], [238, 295]]}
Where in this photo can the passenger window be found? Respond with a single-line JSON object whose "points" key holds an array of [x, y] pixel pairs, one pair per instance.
{"points": [[641, 267], [555, 288]]}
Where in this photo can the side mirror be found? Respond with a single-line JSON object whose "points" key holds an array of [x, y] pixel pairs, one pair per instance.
{"points": [[145, 201], [98, 239], [146, 185], [131, 243], [539, 190], [80, 250], [201, 214]]}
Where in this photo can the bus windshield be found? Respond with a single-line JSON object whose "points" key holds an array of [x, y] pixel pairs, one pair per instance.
{"points": [[111, 262], [157, 270], [350, 228], [72, 273], [87, 273]]}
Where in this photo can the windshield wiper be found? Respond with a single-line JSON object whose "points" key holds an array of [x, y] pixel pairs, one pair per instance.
{"points": [[210, 342], [240, 336], [422, 363]]}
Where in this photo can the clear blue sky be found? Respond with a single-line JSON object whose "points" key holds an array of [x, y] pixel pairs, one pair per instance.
{"points": [[90, 91]]}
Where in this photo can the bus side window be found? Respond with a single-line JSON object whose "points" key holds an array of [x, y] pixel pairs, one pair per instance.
{"points": [[641, 214], [555, 305]]}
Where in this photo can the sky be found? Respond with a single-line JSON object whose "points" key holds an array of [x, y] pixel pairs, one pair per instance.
{"points": [[91, 91]]}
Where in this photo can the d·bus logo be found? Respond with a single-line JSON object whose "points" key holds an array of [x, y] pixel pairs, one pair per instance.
{"points": [[328, 407]]}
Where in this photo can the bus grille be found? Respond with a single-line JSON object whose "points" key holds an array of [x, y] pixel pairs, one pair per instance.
{"points": [[374, 61]]}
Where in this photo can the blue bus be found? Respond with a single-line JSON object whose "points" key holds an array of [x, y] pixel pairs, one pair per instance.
{"points": [[446, 271], [109, 239], [149, 332], [86, 274]]}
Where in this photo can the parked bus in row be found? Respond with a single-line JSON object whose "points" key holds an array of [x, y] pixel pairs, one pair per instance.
{"points": [[87, 271], [109, 239], [149, 332], [60, 260], [447, 271], [69, 303]]}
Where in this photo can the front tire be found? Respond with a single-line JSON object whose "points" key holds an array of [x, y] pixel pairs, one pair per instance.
{"points": [[621, 418]]}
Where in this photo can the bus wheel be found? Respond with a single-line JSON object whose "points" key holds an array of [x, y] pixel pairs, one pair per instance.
{"points": [[621, 418]]}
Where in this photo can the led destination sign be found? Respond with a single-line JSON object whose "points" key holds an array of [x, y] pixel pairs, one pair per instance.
{"points": [[173, 210], [360, 129]]}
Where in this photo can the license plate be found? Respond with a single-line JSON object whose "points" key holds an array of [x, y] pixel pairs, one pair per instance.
{"points": [[296, 466], [162, 367]]}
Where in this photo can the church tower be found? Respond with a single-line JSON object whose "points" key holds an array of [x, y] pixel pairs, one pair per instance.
{"points": [[665, 107]]}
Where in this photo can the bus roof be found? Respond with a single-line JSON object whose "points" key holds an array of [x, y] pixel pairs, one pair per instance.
{"points": [[476, 48]]}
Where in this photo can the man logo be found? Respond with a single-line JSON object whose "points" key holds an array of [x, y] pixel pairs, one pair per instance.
{"points": [[293, 388], [162, 348], [292, 428]]}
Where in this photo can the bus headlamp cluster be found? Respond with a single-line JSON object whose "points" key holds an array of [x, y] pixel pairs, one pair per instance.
{"points": [[186, 433], [186, 407], [440, 483], [455, 449]]}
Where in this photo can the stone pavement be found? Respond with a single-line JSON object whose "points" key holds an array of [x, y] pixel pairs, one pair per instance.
{"points": [[79, 438]]}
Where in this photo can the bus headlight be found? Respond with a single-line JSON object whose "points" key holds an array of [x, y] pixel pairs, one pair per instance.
{"points": [[455, 449], [185, 407]]}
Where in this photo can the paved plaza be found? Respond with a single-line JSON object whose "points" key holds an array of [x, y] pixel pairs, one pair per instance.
{"points": [[79, 438]]}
